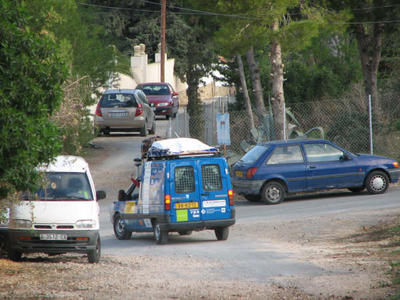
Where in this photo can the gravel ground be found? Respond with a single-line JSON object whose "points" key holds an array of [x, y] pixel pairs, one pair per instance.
{"points": [[357, 260]]}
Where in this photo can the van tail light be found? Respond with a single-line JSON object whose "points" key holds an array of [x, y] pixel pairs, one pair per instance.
{"points": [[98, 110], [250, 172], [139, 110], [167, 202], [230, 196], [396, 164]]}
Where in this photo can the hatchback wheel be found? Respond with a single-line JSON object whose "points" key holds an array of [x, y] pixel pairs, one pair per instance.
{"points": [[143, 131], [153, 127], [377, 182], [273, 193]]}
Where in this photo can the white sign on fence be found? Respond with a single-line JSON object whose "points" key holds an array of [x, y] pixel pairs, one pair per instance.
{"points": [[223, 131]]}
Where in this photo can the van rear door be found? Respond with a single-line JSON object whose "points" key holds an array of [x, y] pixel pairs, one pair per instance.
{"points": [[214, 185], [184, 191]]}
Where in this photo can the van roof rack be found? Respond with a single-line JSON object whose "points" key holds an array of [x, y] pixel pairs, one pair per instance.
{"points": [[180, 148]]}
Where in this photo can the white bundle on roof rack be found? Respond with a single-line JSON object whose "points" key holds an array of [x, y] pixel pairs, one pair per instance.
{"points": [[179, 146]]}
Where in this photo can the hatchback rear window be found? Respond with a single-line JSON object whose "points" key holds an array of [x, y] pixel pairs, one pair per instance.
{"points": [[118, 100], [184, 180], [254, 154], [156, 89], [211, 177]]}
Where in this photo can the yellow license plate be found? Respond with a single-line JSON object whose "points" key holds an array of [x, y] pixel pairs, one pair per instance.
{"points": [[239, 173], [186, 205]]}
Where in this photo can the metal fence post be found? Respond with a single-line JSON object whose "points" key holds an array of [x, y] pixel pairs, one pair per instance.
{"points": [[371, 141], [284, 121]]}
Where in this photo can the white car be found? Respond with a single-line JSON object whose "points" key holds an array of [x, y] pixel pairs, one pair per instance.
{"points": [[62, 216]]}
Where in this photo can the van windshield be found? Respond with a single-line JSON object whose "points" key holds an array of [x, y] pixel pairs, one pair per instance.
{"points": [[62, 186]]}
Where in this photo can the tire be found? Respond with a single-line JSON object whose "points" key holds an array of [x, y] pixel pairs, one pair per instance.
{"points": [[377, 182], [222, 233], [253, 198], [167, 117], [153, 127], [161, 236], [273, 193], [14, 255], [357, 189], [143, 130], [94, 255], [120, 229], [188, 232]]}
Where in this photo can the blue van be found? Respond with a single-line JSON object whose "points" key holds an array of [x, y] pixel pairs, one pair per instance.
{"points": [[184, 186]]}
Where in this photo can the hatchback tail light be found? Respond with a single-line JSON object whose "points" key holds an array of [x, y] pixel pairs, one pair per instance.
{"points": [[139, 110], [250, 172], [98, 110]]}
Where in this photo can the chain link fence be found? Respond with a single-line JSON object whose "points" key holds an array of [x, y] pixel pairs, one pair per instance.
{"points": [[345, 122]]}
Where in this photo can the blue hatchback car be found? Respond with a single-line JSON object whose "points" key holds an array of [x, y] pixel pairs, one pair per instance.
{"points": [[270, 171]]}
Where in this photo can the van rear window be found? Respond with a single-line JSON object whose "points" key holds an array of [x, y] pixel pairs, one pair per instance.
{"points": [[211, 177], [184, 180]]}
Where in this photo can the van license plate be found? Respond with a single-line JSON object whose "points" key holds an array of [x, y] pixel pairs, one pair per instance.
{"points": [[53, 237], [239, 173], [186, 205]]}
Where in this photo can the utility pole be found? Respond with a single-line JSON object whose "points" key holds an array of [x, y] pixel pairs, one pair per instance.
{"points": [[163, 25]]}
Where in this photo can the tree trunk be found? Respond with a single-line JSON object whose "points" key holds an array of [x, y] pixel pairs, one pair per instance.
{"points": [[277, 99], [255, 78], [370, 49], [245, 92]]}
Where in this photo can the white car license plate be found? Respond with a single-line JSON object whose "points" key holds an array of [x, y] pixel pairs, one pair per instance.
{"points": [[53, 237]]}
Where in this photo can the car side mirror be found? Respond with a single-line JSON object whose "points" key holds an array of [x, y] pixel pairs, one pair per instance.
{"points": [[138, 162], [345, 157], [100, 195]]}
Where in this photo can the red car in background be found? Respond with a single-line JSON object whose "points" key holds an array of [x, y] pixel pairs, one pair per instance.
{"points": [[162, 98]]}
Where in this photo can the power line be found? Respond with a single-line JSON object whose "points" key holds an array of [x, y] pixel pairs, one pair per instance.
{"points": [[200, 12]]}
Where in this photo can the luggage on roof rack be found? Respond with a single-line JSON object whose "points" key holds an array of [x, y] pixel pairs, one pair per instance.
{"points": [[178, 147]]}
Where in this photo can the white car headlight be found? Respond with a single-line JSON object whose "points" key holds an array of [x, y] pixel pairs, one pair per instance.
{"points": [[20, 224], [86, 224], [163, 104]]}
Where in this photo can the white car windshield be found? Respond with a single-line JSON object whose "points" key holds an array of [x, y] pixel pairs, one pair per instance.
{"points": [[62, 186]]}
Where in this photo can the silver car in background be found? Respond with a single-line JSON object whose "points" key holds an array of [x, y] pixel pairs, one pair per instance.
{"points": [[124, 110]]}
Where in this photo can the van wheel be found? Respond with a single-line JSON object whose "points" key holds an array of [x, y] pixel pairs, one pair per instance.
{"points": [[14, 255], [161, 236], [143, 130], [377, 182], [120, 229], [94, 255], [273, 193], [222, 233]]}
